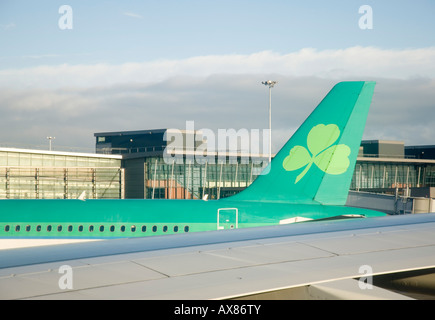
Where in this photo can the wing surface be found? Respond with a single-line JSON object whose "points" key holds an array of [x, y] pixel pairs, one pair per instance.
{"points": [[307, 260]]}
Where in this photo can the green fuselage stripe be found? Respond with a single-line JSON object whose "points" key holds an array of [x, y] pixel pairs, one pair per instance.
{"points": [[140, 218]]}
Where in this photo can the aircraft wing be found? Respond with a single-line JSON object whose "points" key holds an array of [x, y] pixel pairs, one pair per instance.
{"points": [[298, 261]]}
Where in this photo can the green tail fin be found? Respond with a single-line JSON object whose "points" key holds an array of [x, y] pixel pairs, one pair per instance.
{"points": [[316, 165]]}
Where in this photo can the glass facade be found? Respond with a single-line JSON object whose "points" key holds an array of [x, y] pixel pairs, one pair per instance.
{"points": [[28, 174], [371, 174], [45, 175], [381, 165], [194, 181], [219, 180]]}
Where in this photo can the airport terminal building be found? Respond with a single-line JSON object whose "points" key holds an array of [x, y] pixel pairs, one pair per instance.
{"points": [[39, 174], [382, 167], [386, 165], [151, 174], [133, 165]]}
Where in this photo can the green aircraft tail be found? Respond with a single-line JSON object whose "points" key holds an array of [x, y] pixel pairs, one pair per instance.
{"points": [[316, 165]]}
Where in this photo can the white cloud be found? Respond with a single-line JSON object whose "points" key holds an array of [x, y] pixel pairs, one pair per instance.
{"points": [[354, 62], [9, 26], [133, 15], [72, 102]]}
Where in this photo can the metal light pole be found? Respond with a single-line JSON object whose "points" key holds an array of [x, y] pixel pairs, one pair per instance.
{"points": [[270, 83], [49, 141]]}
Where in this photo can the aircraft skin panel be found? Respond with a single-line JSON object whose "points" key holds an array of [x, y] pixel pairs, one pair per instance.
{"points": [[223, 264]]}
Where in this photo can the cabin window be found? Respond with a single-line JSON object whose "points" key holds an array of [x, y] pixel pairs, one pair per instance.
{"points": [[165, 228], [38, 228], [59, 228], [144, 228], [17, 228], [7, 228], [154, 228], [133, 228], [112, 228], [91, 228], [49, 228], [186, 229], [70, 228], [101, 228], [122, 228], [28, 228], [80, 228], [175, 228]]}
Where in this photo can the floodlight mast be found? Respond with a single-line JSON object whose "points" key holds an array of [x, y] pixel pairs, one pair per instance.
{"points": [[270, 84], [49, 141]]}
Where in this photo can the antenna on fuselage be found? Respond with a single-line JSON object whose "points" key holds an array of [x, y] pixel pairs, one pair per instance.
{"points": [[82, 196]]}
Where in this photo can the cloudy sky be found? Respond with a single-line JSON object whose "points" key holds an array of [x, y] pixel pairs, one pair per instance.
{"points": [[130, 65]]}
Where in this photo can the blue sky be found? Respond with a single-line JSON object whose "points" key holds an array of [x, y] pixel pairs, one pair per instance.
{"points": [[134, 31], [166, 62]]}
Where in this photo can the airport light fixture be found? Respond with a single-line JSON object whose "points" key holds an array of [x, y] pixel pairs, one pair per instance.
{"points": [[270, 84], [49, 141]]}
